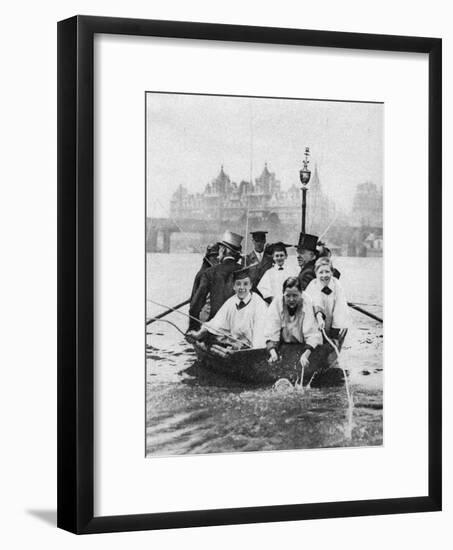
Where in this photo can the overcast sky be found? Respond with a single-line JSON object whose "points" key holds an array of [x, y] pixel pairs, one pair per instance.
{"points": [[189, 137]]}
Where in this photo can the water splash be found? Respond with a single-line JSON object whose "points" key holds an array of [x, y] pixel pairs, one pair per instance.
{"points": [[283, 385], [349, 416]]}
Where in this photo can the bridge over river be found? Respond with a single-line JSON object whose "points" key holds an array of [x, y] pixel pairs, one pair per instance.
{"points": [[159, 231], [350, 240]]}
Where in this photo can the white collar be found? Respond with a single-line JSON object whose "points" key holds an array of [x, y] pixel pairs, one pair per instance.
{"points": [[331, 284], [246, 300], [277, 268]]}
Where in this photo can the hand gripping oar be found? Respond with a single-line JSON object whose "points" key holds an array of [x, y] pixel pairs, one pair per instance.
{"points": [[219, 332], [365, 312], [170, 309]]}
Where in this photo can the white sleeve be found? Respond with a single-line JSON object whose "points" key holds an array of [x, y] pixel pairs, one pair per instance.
{"points": [[265, 286], [273, 324], [259, 340], [314, 293], [293, 271], [220, 322], [312, 335], [311, 289], [340, 316]]}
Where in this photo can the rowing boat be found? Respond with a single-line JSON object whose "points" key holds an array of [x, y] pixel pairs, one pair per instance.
{"points": [[252, 366]]}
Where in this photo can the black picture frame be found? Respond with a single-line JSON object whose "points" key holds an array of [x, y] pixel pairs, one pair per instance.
{"points": [[76, 262]]}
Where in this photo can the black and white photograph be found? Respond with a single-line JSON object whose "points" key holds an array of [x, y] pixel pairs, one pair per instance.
{"points": [[264, 274], [210, 211]]}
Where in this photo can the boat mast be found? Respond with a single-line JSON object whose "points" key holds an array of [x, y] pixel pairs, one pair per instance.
{"points": [[305, 175], [247, 190]]}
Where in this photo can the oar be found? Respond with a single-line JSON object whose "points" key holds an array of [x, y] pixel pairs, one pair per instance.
{"points": [[177, 306], [170, 323], [170, 309], [365, 312]]}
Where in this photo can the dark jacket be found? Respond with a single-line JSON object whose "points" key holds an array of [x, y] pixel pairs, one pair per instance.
{"points": [[196, 283], [257, 271], [217, 282], [307, 274]]}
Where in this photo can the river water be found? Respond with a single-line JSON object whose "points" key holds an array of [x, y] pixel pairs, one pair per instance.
{"points": [[189, 411]]}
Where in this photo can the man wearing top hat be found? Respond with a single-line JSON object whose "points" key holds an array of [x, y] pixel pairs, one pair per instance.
{"points": [[209, 259], [306, 258], [217, 281], [260, 259]]}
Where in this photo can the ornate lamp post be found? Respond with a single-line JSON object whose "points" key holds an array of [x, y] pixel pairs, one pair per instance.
{"points": [[305, 175]]}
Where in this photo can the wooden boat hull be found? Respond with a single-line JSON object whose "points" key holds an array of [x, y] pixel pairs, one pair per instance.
{"points": [[251, 365]]}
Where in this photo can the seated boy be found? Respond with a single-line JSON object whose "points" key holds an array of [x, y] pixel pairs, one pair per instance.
{"points": [[329, 301], [241, 317]]}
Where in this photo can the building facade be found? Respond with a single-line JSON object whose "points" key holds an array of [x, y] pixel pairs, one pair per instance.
{"points": [[263, 201], [264, 204]]}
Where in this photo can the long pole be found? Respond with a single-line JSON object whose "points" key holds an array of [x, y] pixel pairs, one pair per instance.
{"points": [[328, 227], [304, 179], [247, 190], [177, 306], [365, 312], [170, 310], [304, 208]]}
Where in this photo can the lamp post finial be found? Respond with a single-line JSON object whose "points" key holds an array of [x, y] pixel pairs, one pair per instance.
{"points": [[305, 175]]}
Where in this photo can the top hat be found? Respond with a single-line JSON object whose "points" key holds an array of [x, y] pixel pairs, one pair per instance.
{"points": [[232, 241], [307, 242], [259, 235]]}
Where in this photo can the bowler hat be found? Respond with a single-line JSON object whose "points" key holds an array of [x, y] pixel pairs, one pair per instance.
{"points": [[307, 242], [232, 241]]}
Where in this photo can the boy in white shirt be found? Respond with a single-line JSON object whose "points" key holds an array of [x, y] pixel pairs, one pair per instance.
{"points": [[329, 301], [242, 316], [271, 284]]}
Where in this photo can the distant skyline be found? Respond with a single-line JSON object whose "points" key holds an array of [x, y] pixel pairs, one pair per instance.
{"points": [[189, 137]]}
